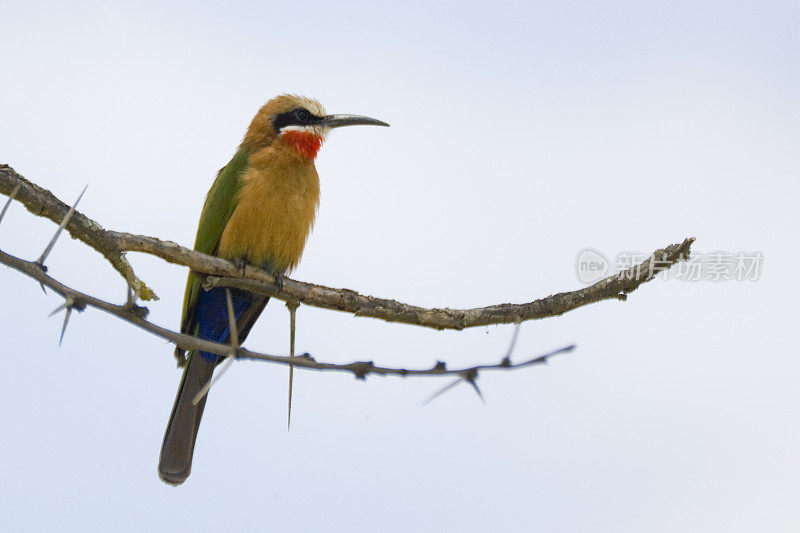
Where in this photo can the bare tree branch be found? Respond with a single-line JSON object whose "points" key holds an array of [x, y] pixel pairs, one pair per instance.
{"points": [[136, 315], [43, 203], [221, 272]]}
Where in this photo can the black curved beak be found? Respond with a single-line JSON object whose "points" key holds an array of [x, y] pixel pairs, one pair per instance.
{"points": [[337, 121]]}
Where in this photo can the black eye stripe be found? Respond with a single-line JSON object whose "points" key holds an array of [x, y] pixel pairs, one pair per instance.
{"points": [[296, 117]]}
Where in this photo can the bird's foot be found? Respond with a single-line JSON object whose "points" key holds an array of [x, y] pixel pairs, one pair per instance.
{"points": [[241, 264], [279, 282]]}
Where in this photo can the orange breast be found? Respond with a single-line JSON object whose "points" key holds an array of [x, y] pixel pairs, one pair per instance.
{"points": [[275, 210]]}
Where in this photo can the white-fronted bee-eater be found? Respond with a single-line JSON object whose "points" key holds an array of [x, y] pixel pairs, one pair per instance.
{"points": [[259, 211]]}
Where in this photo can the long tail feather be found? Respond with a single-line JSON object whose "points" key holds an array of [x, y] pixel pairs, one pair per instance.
{"points": [[178, 447], [175, 463]]}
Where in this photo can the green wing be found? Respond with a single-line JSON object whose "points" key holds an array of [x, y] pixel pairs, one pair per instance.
{"points": [[220, 203]]}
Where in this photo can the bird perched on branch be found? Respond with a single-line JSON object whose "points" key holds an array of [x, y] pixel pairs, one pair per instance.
{"points": [[259, 211]]}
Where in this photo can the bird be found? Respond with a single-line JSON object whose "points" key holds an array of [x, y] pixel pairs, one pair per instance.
{"points": [[259, 211]]}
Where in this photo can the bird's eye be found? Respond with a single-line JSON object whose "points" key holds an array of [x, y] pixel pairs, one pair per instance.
{"points": [[302, 115]]}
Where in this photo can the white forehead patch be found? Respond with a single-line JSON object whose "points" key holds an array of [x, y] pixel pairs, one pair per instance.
{"points": [[312, 105]]}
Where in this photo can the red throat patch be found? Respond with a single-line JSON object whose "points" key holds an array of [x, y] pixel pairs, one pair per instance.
{"points": [[306, 144]]}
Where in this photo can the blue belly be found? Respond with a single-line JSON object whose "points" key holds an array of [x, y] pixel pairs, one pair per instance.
{"points": [[212, 315]]}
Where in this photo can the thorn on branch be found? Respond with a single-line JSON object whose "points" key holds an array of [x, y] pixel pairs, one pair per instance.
{"points": [[64, 327], [513, 343], [234, 338], [61, 227], [442, 390], [234, 332], [471, 377], [10, 199], [211, 382], [292, 306], [69, 304], [43, 268]]}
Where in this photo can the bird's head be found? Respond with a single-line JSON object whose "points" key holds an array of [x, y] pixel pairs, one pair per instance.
{"points": [[299, 122]]}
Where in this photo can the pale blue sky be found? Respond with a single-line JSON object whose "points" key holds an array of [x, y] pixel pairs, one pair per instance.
{"points": [[521, 134]]}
